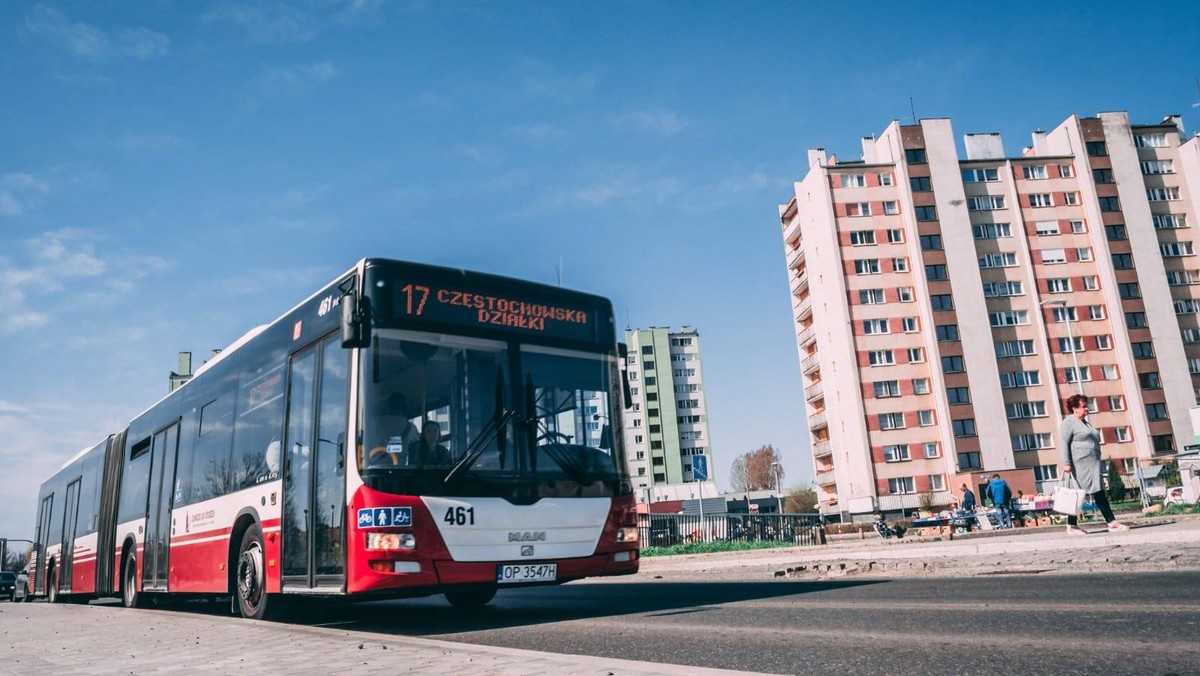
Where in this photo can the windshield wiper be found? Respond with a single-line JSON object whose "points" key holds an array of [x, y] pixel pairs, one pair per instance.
{"points": [[560, 456], [480, 443]]}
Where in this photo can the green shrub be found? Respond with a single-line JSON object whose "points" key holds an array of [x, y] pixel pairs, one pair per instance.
{"points": [[713, 547]]}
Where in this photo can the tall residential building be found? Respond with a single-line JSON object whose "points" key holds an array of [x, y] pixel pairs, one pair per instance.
{"points": [[946, 307], [666, 431]]}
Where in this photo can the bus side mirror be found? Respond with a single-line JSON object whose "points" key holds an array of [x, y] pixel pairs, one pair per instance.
{"points": [[356, 331]]}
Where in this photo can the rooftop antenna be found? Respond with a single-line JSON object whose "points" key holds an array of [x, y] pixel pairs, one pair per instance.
{"points": [[558, 271], [913, 108], [1197, 104], [628, 325]]}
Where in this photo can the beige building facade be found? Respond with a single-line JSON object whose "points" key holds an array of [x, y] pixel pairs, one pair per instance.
{"points": [[945, 307]]}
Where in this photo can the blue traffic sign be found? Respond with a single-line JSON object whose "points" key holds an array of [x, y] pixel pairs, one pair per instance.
{"points": [[700, 467], [384, 517]]}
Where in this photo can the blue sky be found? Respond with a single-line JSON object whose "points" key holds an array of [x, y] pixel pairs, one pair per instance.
{"points": [[174, 173]]}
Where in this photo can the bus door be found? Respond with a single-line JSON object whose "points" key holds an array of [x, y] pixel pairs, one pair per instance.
{"points": [[314, 473], [158, 518], [43, 534], [67, 555]]}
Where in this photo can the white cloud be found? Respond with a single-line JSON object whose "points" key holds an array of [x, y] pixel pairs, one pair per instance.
{"points": [[92, 43], [293, 81], [626, 188], [9, 408], [20, 192], [293, 22], [662, 122], [50, 269]]}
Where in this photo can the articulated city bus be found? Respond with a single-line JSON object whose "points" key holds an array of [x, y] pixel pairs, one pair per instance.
{"points": [[407, 430]]}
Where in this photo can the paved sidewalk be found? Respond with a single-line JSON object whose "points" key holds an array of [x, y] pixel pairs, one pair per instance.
{"points": [[1163, 545], [38, 638]]}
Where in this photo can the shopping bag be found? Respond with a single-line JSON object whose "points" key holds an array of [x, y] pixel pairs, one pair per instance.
{"points": [[1068, 497]]}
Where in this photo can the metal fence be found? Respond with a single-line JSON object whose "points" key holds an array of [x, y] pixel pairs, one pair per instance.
{"points": [[665, 530]]}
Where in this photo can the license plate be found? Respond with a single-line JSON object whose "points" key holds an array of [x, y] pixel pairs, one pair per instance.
{"points": [[529, 572]]}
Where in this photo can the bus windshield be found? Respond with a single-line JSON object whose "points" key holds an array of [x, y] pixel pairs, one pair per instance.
{"points": [[453, 415]]}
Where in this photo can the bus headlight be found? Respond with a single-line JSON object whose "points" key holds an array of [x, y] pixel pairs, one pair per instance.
{"points": [[386, 541], [627, 535]]}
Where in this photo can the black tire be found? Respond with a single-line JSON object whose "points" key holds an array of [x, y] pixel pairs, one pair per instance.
{"points": [[52, 595], [472, 596], [131, 597], [250, 576]]}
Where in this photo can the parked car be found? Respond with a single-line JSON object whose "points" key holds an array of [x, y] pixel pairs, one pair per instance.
{"points": [[1174, 496], [8, 585]]}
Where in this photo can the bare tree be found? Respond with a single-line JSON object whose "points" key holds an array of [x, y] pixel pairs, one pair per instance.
{"points": [[800, 501], [754, 471]]}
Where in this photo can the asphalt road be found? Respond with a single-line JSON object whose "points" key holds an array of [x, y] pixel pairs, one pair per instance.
{"points": [[1008, 624]]}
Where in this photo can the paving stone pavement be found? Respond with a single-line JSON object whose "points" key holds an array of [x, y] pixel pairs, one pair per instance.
{"points": [[78, 640]]}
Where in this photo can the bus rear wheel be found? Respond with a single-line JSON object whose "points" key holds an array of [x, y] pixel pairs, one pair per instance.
{"points": [[130, 598], [52, 587], [471, 597], [251, 576]]}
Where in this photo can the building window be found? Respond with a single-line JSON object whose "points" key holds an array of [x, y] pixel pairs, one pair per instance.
{"points": [[1039, 200], [1153, 167], [1176, 249], [941, 302], [925, 418], [854, 180], [1104, 342], [1053, 256], [1122, 261], [925, 213], [969, 461], [1135, 320], [866, 266], [920, 385], [909, 324], [890, 208], [895, 236], [931, 450], [1102, 175], [1070, 345], [901, 485], [1165, 194], [887, 388], [916, 355], [891, 421], [931, 242], [1116, 402], [1091, 283], [1150, 380], [870, 296], [1169, 221], [1083, 254], [1071, 198], [946, 332], [1045, 473], [1063, 314], [1150, 140], [1078, 227], [1003, 289], [1045, 228], [1110, 204], [1009, 318], [1018, 379], [1014, 348], [885, 178], [958, 395], [920, 184], [953, 364], [1156, 411], [862, 237], [1071, 375], [985, 203], [1108, 372], [915, 156], [964, 427], [1019, 410], [875, 326], [895, 453], [1097, 149], [858, 209], [880, 358], [905, 294], [1030, 442], [1058, 285], [1066, 170], [1035, 172], [899, 265], [1121, 434], [1163, 443], [937, 482], [980, 175], [936, 272], [1181, 277], [1095, 312], [991, 230], [1115, 233]]}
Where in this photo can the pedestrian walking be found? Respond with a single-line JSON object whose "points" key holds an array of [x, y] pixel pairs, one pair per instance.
{"points": [[1001, 496], [1081, 458]]}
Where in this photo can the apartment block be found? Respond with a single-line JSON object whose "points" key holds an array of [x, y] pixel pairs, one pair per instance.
{"points": [[945, 307], [666, 432]]}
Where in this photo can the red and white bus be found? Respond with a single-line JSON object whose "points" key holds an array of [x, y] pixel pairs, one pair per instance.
{"points": [[408, 430]]}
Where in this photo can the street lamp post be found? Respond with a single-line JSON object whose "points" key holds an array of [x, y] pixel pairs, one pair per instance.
{"points": [[776, 467], [1071, 341]]}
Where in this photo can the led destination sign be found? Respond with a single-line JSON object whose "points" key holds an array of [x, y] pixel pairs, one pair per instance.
{"points": [[501, 305]]}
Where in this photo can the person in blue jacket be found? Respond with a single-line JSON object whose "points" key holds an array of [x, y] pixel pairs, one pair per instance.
{"points": [[1001, 497]]}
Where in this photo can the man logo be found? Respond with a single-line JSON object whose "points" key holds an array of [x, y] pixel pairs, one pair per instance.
{"points": [[527, 536], [527, 550]]}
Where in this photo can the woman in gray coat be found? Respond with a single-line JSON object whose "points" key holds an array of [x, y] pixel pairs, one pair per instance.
{"points": [[1081, 457]]}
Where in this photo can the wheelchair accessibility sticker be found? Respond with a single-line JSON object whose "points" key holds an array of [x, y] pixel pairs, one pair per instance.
{"points": [[384, 517]]}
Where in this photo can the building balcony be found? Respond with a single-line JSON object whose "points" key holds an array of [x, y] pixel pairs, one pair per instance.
{"points": [[810, 364], [803, 308], [817, 420], [821, 449], [813, 391], [799, 281], [806, 336], [791, 229], [826, 478], [795, 258]]}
